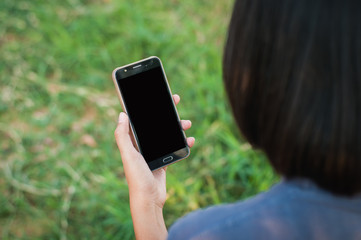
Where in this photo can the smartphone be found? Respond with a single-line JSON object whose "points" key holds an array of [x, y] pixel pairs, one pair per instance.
{"points": [[145, 95]]}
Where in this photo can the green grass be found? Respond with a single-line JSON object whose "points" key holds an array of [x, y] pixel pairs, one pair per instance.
{"points": [[61, 175]]}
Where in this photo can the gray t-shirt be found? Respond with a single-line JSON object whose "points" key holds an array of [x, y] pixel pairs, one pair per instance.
{"points": [[294, 209]]}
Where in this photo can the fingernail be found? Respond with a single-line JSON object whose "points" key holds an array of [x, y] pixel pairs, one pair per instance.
{"points": [[122, 117]]}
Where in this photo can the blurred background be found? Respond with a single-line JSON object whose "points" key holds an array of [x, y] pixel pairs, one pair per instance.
{"points": [[61, 175]]}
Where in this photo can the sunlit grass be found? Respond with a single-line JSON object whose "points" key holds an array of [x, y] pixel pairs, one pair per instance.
{"points": [[61, 174]]}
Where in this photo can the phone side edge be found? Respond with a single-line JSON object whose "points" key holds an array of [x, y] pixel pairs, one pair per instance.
{"points": [[123, 105]]}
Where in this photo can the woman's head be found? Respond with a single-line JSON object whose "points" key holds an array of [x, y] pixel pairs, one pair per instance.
{"points": [[292, 71]]}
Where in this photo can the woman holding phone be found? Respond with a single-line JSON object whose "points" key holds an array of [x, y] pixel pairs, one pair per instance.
{"points": [[292, 73]]}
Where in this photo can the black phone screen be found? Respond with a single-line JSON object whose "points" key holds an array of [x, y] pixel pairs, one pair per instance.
{"points": [[152, 113]]}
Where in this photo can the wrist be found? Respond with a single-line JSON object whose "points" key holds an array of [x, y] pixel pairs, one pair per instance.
{"points": [[145, 202], [147, 218], [147, 198]]}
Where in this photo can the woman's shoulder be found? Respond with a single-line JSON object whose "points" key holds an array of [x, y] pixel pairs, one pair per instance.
{"points": [[281, 210], [219, 217]]}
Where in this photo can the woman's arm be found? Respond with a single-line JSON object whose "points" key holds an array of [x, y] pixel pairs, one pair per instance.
{"points": [[147, 189]]}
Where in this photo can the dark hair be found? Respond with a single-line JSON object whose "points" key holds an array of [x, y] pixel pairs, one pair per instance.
{"points": [[292, 71]]}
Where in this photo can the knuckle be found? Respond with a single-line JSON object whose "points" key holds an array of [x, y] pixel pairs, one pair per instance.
{"points": [[118, 131]]}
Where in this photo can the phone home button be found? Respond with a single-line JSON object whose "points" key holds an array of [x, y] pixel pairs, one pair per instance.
{"points": [[167, 159]]}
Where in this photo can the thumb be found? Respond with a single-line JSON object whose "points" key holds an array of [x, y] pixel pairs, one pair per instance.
{"points": [[122, 136]]}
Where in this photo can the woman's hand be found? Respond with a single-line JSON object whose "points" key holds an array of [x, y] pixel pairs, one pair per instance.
{"points": [[147, 189]]}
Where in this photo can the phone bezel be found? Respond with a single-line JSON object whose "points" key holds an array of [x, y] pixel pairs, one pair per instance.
{"points": [[136, 68]]}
